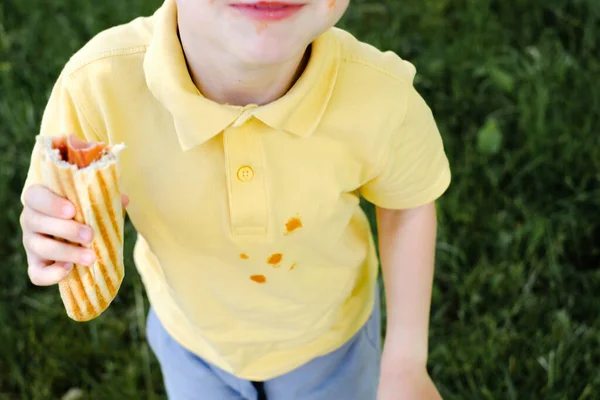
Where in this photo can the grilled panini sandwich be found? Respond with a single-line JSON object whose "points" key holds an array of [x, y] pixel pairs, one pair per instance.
{"points": [[87, 175]]}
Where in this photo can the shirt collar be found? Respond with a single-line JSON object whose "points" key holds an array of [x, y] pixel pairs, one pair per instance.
{"points": [[198, 119]]}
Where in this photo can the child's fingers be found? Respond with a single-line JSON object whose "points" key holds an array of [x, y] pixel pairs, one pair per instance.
{"points": [[35, 222], [125, 200], [41, 247], [42, 274], [43, 200]]}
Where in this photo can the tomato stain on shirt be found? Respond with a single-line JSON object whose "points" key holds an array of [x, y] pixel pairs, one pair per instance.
{"points": [[244, 256], [332, 4], [292, 225], [275, 259], [258, 278], [293, 266]]}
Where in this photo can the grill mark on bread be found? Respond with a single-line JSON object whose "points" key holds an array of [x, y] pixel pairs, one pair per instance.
{"points": [[120, 275], [77, 281], [113, 175], [102, 230], [109, 206], [102, 301], [109, 283], [119, 231], [77, 202], [75, 309], [89, 281]]}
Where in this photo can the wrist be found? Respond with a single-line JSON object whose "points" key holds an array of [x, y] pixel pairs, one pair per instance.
{"points": [[401, 360], [398, 367]]}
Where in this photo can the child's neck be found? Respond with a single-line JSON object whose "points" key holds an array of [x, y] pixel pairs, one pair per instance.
{"points": [[226, 80]]}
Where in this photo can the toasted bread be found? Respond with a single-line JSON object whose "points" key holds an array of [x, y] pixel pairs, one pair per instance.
{"points": [[87, 175]]}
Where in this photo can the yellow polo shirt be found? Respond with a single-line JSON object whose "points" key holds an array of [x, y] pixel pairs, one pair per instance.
{"points": [[252, 245]]}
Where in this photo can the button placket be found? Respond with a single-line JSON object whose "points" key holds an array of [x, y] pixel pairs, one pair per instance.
{"points": [[242, 119], [246, 179]]}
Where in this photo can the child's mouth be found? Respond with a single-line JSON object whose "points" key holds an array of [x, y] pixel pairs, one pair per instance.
{"points": [[268, 10]]}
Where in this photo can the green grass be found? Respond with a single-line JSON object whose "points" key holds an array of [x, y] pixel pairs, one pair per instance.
{"points": [[514, 85]]}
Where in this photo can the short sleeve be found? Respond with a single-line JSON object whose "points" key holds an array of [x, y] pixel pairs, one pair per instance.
{"points": [[62, 115], [415, 170]]}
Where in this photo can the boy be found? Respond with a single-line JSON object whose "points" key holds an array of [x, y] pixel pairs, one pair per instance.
{"points": [[251, 130]]}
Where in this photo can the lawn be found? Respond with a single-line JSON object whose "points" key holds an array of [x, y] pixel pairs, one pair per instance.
{"points": [[515, 87]]}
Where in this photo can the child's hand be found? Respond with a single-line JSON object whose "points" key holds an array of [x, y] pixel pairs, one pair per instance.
{"points": [[408, 384], [45, 220]]}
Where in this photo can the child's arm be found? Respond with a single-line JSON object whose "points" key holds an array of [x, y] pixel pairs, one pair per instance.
{"points": [[414, 172], [407, 247], [44, 221]]}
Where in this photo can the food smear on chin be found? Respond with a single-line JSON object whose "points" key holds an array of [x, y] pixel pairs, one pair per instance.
{"points": [[261, 26], [78, 152]]}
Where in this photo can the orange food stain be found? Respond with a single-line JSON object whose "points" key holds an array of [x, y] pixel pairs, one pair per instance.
{"points": [[293, 266], [244, 256], [261, 27], [332, 4], [258, 278], [275, 259], [293, 224]]}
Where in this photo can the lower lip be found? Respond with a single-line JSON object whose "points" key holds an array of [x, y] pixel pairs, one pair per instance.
{"points": [[268, 12]]}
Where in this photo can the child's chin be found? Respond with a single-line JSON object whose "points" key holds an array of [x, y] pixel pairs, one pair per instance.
{"points": [[275, 54]]}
